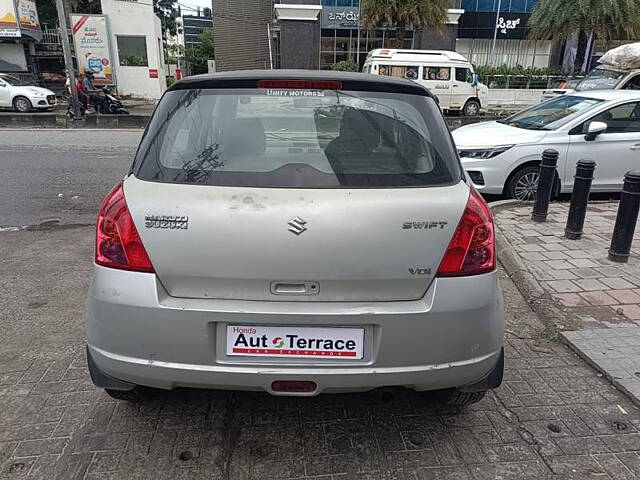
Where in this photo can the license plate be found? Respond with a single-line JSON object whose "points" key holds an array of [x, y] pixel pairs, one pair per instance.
{"points": [[53, 101], [298, 342]]}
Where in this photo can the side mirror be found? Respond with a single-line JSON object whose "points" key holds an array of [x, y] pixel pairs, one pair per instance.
{"points": [[594, 129], [474, 80]]}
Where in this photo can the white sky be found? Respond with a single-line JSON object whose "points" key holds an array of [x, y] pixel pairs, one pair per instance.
{"points": [[185, 4]]}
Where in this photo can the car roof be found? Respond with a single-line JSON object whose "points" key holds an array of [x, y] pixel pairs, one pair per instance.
{"points": [[610, 94], [350, 80]]}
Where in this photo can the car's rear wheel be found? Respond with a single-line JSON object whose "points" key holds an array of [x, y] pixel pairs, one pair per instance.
{"points": [[471, 109], [462, 399], [22, 104]]}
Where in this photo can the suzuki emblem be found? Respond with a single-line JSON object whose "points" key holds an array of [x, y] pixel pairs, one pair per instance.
{"points": [[297, 225]]}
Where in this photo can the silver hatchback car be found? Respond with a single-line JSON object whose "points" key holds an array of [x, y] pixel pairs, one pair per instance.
{"points": [[296, 233]]}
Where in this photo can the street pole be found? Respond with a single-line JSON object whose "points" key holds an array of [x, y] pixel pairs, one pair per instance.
{"points": [[68, 60], [358, 40], [495, 34]]}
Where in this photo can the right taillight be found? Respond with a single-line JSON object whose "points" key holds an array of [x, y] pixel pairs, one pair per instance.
{"points": [[118, 244], [472, 249]]}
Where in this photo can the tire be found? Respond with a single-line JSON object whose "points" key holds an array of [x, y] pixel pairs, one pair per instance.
{"points": [[133, 396], [22, 105], [524, 183], [462, 399], [471, 108], [527, 177]]}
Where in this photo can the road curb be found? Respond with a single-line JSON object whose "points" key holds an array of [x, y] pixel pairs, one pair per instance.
{"points": [[538, 299], [58, 120]]}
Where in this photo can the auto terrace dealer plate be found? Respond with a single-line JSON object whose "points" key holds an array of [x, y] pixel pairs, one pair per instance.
{"points": [[307, 342]]}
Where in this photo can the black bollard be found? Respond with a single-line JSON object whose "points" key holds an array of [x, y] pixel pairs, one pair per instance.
{"points": [[545, 185], [626, 219], [579, 199]]}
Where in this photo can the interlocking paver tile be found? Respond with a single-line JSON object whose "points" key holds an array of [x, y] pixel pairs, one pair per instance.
{"points": [[551, 411]]}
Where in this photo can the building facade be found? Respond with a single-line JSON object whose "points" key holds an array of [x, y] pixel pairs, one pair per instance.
{"points": [[193, 26], [19, 30], [242, 34], [136, 40], [512, 48]]}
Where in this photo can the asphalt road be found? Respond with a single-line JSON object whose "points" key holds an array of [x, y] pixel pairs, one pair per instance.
{"points": [[60, 176], [553, 418]]}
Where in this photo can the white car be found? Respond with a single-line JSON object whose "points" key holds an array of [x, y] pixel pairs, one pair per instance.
{"points": [[502, 157], [23, 97]]}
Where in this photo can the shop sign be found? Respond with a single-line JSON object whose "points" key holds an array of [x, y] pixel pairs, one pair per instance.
{"points": [[8, 19], [28, 15], [483, 25], [91, 41], [340, 17], [153, 73]]}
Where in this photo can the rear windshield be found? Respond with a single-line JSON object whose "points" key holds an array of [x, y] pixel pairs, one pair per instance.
{"points": [[297, 138]]}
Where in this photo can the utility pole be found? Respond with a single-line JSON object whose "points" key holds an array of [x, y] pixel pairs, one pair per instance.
{"points": [[495, 34], [68, 59]]}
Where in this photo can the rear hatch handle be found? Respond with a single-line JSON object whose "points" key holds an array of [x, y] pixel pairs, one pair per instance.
{"points": [[295, 288]]}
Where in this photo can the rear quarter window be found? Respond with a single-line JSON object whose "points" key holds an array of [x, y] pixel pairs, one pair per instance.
{"points": [[297, 138]]}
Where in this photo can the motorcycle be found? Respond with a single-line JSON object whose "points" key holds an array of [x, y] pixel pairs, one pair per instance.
{"points": [[111, 104]]}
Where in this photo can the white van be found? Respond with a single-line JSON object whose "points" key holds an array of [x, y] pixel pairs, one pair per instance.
{"points": [[448, 75]]}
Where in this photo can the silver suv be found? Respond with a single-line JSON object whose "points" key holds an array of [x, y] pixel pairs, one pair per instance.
{"points": [[296, 233]]}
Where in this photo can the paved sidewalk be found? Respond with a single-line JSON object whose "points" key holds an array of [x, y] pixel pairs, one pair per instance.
{"points": [[553, 418], [598, 300]]}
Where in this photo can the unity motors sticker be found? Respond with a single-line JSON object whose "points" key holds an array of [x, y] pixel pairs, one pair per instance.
{"points": [[295, 93], [309, 342]]}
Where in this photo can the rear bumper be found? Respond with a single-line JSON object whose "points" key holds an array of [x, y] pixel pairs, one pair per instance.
{"points": [[452, 337]]}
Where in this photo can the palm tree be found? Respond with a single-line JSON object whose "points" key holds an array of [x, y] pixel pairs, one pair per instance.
{"points": [[401, 13], [605, 19]]}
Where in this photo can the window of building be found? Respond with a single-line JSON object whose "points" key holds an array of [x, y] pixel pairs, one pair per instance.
{"points": [[517, 6], [132, 51], [436, 73], [463, 74]]}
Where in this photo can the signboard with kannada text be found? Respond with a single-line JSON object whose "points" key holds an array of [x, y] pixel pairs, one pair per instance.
{"points": [[91, 41], [8, 20], [339, 17]]}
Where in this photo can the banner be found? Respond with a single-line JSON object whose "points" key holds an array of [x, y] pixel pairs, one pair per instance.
{"points": [[483, 25], [8, 19], [91, 41], [28, 15], [339, 17]]}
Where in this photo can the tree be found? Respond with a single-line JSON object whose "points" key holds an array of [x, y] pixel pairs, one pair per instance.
{"points": [[167, 13], [402, 13], [196, 56], [605, 19]]}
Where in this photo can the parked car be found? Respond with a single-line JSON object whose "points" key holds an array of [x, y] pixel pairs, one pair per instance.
{"points": [[502, 157], [618, 69], [248, 250], [23, 97], [561, 87], [448, 75]]}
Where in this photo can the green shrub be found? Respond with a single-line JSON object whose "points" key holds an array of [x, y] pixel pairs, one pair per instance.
{"points": [[346, 66]]}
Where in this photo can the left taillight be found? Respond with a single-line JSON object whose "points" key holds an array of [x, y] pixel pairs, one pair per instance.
{"points": [[472, 249], [118, 244]]}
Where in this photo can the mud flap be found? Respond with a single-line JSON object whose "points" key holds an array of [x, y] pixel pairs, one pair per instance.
{"points": [[493, 380], [101, 380]]}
